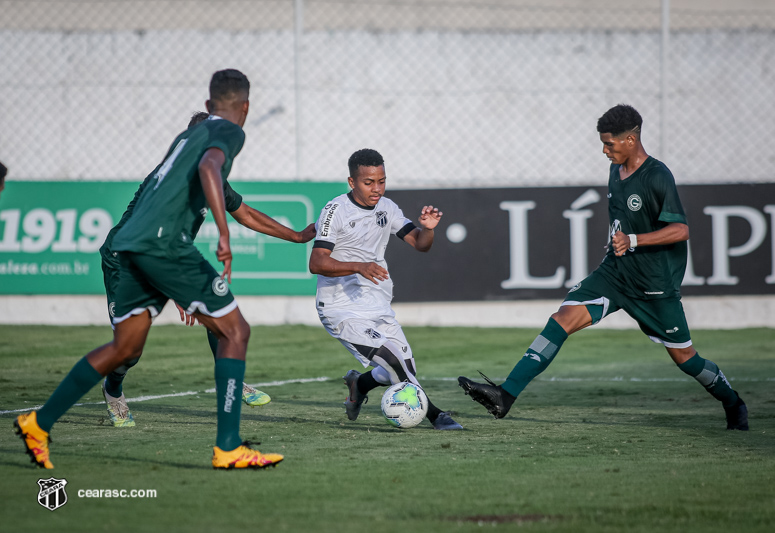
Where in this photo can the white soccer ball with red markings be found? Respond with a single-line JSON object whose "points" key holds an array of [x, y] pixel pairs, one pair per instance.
{"points": [[404, 405]]}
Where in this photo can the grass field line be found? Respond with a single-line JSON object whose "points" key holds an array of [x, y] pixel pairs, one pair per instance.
{"points": [[326, 378]]}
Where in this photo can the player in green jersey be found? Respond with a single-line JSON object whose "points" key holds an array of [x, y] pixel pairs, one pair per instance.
{"points": [[118, 410], [641, 274], [158, 261]]}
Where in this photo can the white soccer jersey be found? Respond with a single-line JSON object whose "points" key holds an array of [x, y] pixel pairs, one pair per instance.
{"points": [[355, 233]]}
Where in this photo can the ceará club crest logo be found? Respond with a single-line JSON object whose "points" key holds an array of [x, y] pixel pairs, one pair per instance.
{"points": [[634, 203], [52, 493]]}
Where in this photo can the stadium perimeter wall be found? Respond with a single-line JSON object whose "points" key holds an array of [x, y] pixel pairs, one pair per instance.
{"points": [[703, 312]]}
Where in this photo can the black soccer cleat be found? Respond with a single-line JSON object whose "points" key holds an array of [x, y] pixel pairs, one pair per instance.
{"points": [[737, 415], [496, 400]]}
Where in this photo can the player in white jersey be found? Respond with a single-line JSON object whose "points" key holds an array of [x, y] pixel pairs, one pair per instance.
{"points": [[354, 290]]}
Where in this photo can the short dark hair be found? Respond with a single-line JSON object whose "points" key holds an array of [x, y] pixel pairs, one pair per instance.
{"points": [[196, 118], [3, 172], [620, 119], [227, 84], [364, 158]]}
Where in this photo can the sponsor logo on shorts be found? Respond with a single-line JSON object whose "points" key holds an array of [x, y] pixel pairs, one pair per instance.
{"points": [[404, 349], [112, 309], [373, 333], [352, 223], [634, 203], [608, 195], [219, 286], [576, 287], [52, 493], [325, 227], [203, 212], [653, 293], [675, 329], [381, 218]]}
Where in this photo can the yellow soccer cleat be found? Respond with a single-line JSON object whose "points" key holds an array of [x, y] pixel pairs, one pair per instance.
{"points": [[35, 439], [244, 457], [254, 397]]}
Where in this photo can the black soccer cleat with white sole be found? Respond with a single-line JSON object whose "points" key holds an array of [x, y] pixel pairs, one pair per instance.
{"points": [[737, 415], [496, 400]]}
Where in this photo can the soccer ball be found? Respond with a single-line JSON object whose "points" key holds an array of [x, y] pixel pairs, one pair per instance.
{"points": [[404, 405]]}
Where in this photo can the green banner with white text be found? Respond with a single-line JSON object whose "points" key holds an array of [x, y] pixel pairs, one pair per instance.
{"points": [[50, 234]]}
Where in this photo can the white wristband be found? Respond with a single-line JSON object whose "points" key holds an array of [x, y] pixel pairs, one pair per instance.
{"points": [[633, 240]]}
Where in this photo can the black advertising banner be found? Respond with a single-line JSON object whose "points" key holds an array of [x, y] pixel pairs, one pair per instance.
{"points": [[536, 243]]}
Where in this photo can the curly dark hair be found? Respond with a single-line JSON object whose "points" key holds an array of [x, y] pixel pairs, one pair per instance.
{"points": [[196, 118], [620, 119], [3, 172], [225, 85], [364, 158]]}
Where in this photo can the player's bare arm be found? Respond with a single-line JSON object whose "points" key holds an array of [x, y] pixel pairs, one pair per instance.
{"points": [[212, 185], [672, 233], [421, 238], [321, 262], [262, 223]]}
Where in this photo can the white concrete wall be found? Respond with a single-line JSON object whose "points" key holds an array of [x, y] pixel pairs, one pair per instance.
{"points": [[716, 312]]}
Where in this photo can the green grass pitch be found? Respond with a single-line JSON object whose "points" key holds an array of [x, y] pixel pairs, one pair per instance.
{"points": [[612, 437]]}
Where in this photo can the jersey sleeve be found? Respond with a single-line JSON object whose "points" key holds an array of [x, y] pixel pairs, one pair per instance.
{"points": [[231, 198], [399, 224], [671, 209], [328, 226], [227, 137]]}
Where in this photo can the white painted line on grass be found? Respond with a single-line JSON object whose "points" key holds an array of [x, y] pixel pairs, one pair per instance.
{"points": [[325, 378], [176, 394]]}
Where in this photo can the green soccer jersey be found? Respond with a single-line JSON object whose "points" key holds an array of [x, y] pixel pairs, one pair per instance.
{"points": [[644, 202], [171, 205]]}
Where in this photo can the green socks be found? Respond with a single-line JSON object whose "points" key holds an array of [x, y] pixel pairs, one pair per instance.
{"points": [[710, 377], [78, 382], [229, 374], [115, 380], [536, 359]]}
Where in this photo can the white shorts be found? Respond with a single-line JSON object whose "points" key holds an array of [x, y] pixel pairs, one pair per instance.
{"points": [[365, 332]]}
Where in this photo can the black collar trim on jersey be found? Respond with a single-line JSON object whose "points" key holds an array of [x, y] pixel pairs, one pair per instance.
{"points": [[366, 207]]}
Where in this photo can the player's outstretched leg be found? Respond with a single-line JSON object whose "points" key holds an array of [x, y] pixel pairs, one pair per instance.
{"points": [[395, 369], [498, 399], [250, 395], [708, 374]]}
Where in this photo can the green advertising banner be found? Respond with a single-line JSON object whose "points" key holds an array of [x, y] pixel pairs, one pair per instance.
{"points": [[50, 234]]}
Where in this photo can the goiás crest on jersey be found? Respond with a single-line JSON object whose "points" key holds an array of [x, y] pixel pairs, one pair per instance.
{"points": [[219, 286], [634, 203], [381, 218], [52, 493]]}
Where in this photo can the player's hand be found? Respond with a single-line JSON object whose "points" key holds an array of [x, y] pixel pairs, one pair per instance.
{"points": [[190, 320], [223, 254], [429, 217], [307, 234], [621, 243], [373, 272]]}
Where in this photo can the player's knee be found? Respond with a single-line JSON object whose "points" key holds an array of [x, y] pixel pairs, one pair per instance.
{"points": [[238, 332]]}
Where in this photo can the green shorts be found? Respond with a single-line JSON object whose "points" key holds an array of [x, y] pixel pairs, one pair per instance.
{"points": [[663, 320], [146, 282]]}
